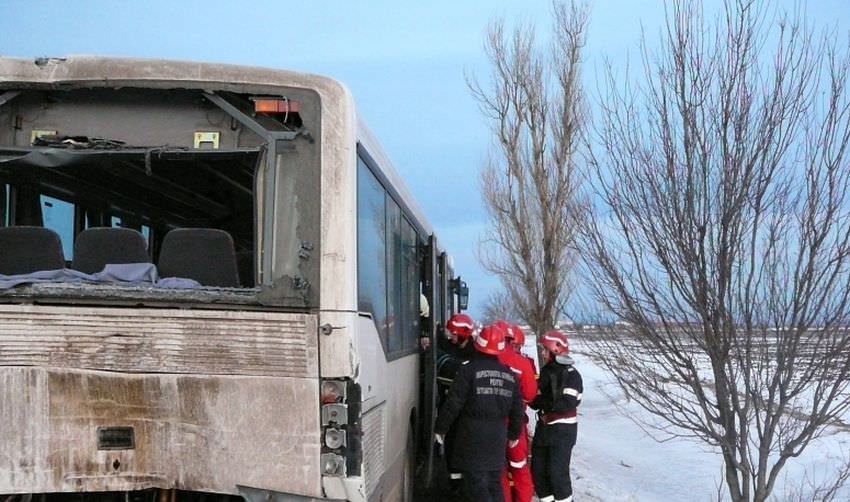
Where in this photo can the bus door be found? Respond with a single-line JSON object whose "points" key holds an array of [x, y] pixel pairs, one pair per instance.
{"points": [[446, 273], [432, 291]]}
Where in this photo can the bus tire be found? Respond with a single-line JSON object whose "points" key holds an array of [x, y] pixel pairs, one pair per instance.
{"points": [[409, 471]]}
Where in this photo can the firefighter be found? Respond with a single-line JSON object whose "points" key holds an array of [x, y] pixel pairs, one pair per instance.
{"points": [[459, 330], [485, 406], [455, 349], [519, 488], [560, 389]]}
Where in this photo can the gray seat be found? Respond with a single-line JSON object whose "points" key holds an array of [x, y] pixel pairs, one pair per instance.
{"points": [[94, 248], [206, 255], [245, 268], [24, 250]]}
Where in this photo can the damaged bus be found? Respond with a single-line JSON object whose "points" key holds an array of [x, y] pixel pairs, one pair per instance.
{"points": [[213, 286]]}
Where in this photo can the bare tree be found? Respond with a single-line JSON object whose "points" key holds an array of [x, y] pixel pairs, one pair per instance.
{"points": [[722, 235], [499, 305], [535, 106]]}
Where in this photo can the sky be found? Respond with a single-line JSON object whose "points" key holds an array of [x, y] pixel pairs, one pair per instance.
{"points": [[405, 62]]}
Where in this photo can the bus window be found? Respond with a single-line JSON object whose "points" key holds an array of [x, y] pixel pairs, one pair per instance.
{"points": [[388, 265], [371, 247], [437, 308], [120, 222], [412, 285], [58, 216], [395, 303]]}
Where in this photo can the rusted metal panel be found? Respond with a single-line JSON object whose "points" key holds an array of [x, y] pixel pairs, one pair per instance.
{"points": [[191, 432], [159, 340], [216, 399], [135, 295]]}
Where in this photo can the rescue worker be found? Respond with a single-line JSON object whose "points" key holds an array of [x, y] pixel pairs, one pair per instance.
{"points": [[559, 395], [459, 330], [485, 406], [455, 349], [517, 481]]}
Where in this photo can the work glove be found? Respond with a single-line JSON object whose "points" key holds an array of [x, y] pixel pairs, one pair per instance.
{"points": [[440, 439]]}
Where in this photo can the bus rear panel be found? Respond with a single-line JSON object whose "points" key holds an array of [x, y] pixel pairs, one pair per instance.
{"points": [[193, 371]]}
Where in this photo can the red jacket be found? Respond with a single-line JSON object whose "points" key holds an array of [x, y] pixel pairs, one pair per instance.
{"points": [[524, 370]]}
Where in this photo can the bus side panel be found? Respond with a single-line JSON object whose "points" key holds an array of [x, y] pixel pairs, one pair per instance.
{"points": [[390, 390], [402, 399], [214, 399]]}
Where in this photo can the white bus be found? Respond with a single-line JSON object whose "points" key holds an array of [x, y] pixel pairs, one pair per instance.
{"points": [[211, 279]]}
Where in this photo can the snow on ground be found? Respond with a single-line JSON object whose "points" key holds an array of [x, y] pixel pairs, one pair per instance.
{"points": [[615, 460]]}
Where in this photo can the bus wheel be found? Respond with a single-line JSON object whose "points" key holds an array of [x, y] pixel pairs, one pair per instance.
{"points": [[409, 473]]}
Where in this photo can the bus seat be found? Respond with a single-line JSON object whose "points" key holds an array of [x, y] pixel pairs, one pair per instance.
{"points": [[206, 255], [245, 267], [24, 250], [94, 248]]}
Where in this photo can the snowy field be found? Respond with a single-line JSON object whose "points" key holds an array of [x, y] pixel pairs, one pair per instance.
{"points": [[615, 460]]}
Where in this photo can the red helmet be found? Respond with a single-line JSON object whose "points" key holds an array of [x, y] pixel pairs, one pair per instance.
{"points": [[516, 334], [490, 340], [503, 325], [556, 342], [461, 325]]}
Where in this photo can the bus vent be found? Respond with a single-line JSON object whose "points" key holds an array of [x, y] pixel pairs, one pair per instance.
{"points": [[374, 431], [115, 438]]}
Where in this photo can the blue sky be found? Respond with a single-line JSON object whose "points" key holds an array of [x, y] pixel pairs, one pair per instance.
{"points": [[404, 61]]}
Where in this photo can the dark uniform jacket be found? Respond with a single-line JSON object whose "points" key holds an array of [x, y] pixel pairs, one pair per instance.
{"points": [[560, 390], [485, 406], [449, 359]]}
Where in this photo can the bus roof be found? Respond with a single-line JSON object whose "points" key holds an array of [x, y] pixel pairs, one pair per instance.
{"points": [[96, 71], [388, 170]]}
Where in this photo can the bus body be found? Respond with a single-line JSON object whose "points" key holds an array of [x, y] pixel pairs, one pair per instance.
{"points": [[298, 376]]}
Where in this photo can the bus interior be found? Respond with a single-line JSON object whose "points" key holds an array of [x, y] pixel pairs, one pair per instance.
{"points": [[143, 162]]}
